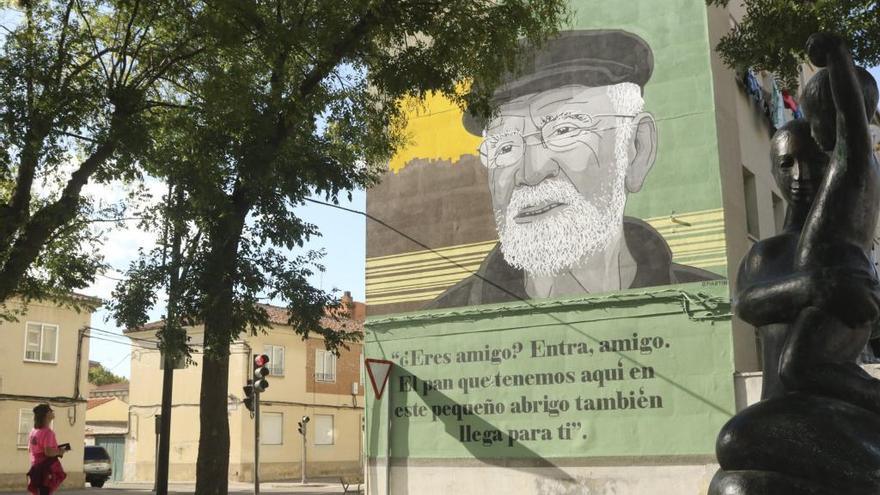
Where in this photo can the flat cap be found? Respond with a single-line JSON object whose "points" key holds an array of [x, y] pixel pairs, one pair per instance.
{"points": [[586, 57]]}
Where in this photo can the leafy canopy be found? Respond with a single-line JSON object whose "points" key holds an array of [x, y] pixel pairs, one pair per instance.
{"points": [[98, 375], [772, 34], [292, 99], [77, 80]]}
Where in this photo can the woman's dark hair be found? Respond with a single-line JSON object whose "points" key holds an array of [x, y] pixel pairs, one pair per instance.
{"points": [[41, 414]]}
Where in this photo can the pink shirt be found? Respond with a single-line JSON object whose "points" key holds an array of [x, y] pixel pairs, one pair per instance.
{"points": [[38, 440]]}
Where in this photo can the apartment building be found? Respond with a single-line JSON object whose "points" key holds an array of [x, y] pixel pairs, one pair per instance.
{"points": [[44, 358], [305, 380]]}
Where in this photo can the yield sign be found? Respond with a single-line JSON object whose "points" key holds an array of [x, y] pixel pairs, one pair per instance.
{"points": [[379, 371]]}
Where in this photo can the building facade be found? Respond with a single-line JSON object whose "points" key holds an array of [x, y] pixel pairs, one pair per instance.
{"points": [[44, 358], [107, 426], [304, 380], [564, 323], [118, 390]]}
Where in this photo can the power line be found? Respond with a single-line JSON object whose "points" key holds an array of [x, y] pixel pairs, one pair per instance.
{"points": [[132, 344], [516, 297], [108, 332], [140, 339], [120, 362], [422, 245]]}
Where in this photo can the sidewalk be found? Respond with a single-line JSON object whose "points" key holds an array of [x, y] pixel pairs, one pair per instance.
{"points": [[322, 486]]}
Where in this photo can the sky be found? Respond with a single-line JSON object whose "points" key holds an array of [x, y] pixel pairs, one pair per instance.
{"points": [[343, 239]]}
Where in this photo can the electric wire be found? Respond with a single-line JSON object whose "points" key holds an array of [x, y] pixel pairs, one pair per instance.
{"points": [[517, 297]]}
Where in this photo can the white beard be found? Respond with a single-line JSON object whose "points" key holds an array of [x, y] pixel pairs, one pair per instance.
{"points": [[565, 239]]}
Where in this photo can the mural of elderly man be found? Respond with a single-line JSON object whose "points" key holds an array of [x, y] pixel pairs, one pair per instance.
{"points": [[569, 142]]}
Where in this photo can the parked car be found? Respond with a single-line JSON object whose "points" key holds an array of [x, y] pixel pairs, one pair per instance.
{"points": [[97, 465]]}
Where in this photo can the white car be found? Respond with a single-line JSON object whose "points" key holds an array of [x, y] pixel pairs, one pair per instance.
{"points": [[97, 465]]}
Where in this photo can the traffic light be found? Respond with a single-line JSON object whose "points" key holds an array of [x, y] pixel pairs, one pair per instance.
{"points": [[260, 372], [249, 395], [302, 425]]}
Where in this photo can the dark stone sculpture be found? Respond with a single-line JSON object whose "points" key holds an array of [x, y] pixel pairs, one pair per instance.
{"points": [[813, 294]]}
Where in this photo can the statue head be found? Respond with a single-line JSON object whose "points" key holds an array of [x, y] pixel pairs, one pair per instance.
{"points": [[798, 163], [818, 105]]}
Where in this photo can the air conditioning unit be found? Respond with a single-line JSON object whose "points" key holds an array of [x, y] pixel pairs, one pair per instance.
{"points": [[355, 388]]}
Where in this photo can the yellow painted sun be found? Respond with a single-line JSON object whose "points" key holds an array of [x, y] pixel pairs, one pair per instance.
{"points": [[434, 131]]}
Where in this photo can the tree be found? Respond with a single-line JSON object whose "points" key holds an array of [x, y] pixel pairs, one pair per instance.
{"points": [[99, 375], [77, 78], [772, 34], [291, 99]]}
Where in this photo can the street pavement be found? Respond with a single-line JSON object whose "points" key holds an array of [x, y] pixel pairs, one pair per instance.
{"points": [[275, 487]]}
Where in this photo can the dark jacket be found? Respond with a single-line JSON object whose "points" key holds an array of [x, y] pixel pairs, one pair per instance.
{"points": [[496, 281]]}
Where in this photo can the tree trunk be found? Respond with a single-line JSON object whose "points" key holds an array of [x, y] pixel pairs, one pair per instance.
{"points": [[212, 466]]}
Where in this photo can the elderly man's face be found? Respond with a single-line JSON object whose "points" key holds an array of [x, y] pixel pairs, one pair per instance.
{"points": [[559, 113], [557, 168]]}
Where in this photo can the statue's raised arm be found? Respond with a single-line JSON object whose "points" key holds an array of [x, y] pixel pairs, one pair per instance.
{"points": [[837, 101]]}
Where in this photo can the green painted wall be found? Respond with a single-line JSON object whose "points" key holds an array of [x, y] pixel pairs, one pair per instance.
{"points": [[686, 175], [639, 373]]}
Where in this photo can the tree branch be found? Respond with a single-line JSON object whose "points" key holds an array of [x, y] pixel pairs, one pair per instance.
{"points": [[47, 219], [339, 51], [94, 40]]}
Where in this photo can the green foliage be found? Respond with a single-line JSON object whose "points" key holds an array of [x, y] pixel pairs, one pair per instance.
{"points": [[772, 34], [291, 99], [78, 79], [98, 375]]}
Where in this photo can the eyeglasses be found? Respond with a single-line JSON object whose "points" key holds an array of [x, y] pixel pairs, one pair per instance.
{"points": [[558, 133]]}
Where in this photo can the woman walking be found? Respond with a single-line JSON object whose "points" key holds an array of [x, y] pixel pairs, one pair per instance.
{"points": [[46, 473]]}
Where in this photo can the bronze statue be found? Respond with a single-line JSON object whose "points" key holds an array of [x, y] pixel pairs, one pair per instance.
{"points": [[769, 290], [814, 288]]}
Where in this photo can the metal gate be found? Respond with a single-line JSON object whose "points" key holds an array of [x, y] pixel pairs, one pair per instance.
{"points": [[115, 446]]}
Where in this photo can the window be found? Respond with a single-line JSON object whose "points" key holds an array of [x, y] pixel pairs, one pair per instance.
{"points": [[41, 343], [271, 428], [751, 197], [778, 212], [323, 429], [276, 359], [25, 423], [325, 366]]}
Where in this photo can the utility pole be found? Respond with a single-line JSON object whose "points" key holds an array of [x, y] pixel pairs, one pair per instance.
{"points": [[169, 339], [157, 423]]}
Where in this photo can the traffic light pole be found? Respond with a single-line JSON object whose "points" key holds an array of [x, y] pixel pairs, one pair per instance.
{"points": [[303, 473], [252, 391], [256, 442]]}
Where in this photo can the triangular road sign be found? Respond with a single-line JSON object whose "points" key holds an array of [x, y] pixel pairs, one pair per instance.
{"points": [[379, 371]]}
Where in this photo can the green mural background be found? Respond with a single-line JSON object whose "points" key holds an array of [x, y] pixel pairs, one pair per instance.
{"points": [[686, 175], [640, 373], [439, 196]]}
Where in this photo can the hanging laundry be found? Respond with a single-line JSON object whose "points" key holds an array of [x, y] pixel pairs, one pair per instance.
{"points": [[777, 106], [752, 87], [791, 104], [789, 100]]}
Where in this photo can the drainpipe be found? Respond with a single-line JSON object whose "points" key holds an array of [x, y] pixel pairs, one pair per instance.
{"points": [[79, 342], [76, 395]]}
